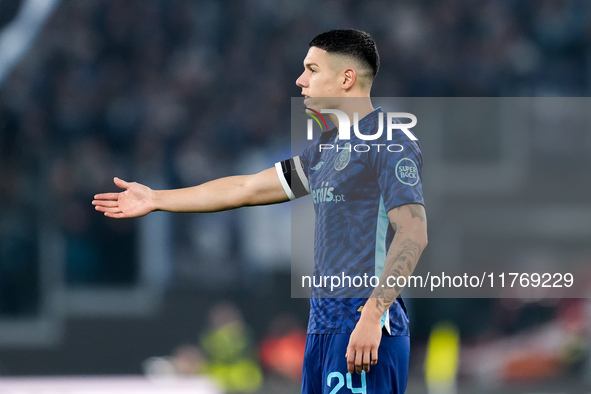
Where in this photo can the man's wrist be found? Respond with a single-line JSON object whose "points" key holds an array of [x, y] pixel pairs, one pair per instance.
{"points": [[372, 311], [155, 200]]}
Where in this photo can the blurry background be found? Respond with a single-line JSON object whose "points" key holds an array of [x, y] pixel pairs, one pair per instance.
{"points": [[172, 93]]}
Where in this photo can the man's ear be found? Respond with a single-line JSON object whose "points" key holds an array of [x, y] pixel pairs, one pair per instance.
{"points": [[350, 77]]}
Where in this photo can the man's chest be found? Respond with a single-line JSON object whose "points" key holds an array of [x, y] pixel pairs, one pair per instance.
{"points": [[341, 176]]}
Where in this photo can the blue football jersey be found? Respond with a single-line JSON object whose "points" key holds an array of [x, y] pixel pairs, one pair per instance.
{"points": [[353, 185]]}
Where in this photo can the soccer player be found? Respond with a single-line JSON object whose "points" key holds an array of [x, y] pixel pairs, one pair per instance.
{"points": [[377, 227]]}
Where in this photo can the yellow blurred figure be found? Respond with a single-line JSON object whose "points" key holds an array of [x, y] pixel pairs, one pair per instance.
{"points": [[441, 362], [231, 359]]}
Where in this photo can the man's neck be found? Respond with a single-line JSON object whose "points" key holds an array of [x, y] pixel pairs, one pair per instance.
{"points": [[351, 105]]}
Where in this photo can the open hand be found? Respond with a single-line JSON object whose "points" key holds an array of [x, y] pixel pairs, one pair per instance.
{"points": [[363, 345], [136, 200]]}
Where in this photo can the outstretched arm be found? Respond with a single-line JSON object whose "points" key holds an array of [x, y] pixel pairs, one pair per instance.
{"points": [[410, 223], [218, 195]]}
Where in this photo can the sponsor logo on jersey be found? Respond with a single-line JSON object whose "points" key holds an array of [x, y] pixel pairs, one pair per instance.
{"points": [[325, 193], [407, 172]]}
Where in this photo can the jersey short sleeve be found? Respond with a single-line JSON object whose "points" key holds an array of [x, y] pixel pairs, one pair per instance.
{"points": [[399, 175]]}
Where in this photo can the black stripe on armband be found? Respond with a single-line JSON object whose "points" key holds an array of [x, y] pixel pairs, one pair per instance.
{"points": [[292, 177], [297, 183]]}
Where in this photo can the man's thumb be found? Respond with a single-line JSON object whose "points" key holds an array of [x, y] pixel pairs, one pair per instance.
{"points": [[121, 183]]}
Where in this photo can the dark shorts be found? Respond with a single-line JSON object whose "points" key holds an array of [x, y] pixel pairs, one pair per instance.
{"points": [[325, 366]]}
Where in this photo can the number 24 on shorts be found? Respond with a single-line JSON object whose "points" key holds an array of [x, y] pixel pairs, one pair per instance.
{"points": [[340, 382]]}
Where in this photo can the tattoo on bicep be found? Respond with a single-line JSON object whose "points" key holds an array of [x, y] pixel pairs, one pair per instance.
{"points": [[417, 211]]}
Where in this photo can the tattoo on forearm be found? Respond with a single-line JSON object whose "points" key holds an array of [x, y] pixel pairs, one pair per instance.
{"points": [[400, 261], [383, 304]]}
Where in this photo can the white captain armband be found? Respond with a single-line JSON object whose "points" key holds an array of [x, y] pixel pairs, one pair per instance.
{"points": [[292, 177]]}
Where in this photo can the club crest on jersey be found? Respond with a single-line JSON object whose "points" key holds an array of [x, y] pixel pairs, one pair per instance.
{"points": [[343, 158], [407, 172]]}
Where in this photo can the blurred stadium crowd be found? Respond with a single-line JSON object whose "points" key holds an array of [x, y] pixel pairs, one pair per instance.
{"points": [[175, 93]]}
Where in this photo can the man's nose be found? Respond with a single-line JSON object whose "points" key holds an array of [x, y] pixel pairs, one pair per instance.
{"points": [[300, 81]]}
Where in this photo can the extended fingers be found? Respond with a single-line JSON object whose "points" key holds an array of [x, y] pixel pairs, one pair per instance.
{"points": [[111, 212], [108, 203], [106, 196], [107, 209], [106, 206], [105, 203], [115, 215]]}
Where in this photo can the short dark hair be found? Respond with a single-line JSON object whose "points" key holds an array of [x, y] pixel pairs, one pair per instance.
{"points": [[354, 43]]}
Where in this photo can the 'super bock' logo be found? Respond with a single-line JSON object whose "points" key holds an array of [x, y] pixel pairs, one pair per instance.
{"points": [[407, 172]]}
